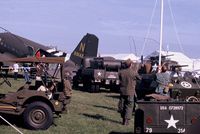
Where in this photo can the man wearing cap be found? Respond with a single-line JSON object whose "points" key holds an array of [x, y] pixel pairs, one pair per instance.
{"points": [[128, 76]]}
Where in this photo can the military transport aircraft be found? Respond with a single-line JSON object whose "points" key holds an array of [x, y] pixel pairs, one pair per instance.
{"points": [[87, 47], [14, 46]]}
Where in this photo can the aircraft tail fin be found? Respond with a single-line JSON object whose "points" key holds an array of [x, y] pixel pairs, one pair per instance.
{"points": [[87, 47]]}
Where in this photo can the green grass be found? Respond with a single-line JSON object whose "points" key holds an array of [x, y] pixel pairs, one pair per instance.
{"points": [[94, 113]]}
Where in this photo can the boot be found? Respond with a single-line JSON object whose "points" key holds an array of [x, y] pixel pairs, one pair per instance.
{"points": [[125, 122]]}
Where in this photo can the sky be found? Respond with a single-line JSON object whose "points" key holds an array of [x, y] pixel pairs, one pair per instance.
{"points": [[120, 25]]}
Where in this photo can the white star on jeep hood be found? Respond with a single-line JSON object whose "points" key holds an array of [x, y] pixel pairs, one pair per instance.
{"points": [[171, 122]]}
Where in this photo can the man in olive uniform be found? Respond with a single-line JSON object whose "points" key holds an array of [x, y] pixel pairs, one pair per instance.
{"points": [[67, 87], [128, 77]]}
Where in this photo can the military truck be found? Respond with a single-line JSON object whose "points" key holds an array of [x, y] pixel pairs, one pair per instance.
{"points": [[37, 107], [98, 72], [178, 113], [167, 117]]}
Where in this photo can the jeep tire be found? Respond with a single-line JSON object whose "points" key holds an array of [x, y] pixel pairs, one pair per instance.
{"points": [[38, 115]]}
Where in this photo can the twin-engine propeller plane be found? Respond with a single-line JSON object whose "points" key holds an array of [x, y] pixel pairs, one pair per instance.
{"points": [[14, 46]]}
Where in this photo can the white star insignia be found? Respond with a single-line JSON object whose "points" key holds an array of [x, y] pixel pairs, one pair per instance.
{"points": [[154, 67], [99, 73], [171, 122]]}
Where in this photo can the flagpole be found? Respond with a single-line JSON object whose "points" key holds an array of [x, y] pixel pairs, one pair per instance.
{"points": [[161, 35]]}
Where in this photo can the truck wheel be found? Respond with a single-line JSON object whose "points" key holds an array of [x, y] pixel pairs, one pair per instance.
{"points": [[87, 85], [38, 115], [75, 82], [97, 88], [92, 89]]}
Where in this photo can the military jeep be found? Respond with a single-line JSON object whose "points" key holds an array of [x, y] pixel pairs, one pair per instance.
{"points": [[37, 107]]}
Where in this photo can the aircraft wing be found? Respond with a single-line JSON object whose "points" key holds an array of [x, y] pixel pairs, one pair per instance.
{"points": [[35, 59], [18, 46]]}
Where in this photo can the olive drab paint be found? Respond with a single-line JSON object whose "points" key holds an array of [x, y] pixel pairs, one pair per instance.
{"points": [[81, 51], [82, 47], [14, 46], [87, 47]]}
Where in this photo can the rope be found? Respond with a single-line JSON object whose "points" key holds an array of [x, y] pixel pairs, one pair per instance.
{"points": [[175, 28], [131, 39], [150, 25], [11, 125]]}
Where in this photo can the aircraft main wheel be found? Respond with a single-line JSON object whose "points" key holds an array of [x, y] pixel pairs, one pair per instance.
{"points": [[38, 115]]}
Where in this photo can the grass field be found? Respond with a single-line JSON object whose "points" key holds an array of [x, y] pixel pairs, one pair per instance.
{"points": [[94, 113]]}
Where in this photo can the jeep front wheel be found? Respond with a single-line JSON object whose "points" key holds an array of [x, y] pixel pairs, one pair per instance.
{"points": [[38, 115]]}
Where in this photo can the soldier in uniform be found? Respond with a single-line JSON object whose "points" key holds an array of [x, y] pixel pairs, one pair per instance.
{"points": [[67, 86], [128, 77], [162, 90], [163, 80]]}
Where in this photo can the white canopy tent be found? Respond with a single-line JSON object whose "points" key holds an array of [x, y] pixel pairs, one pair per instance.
{"points": [[122, 56]]}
